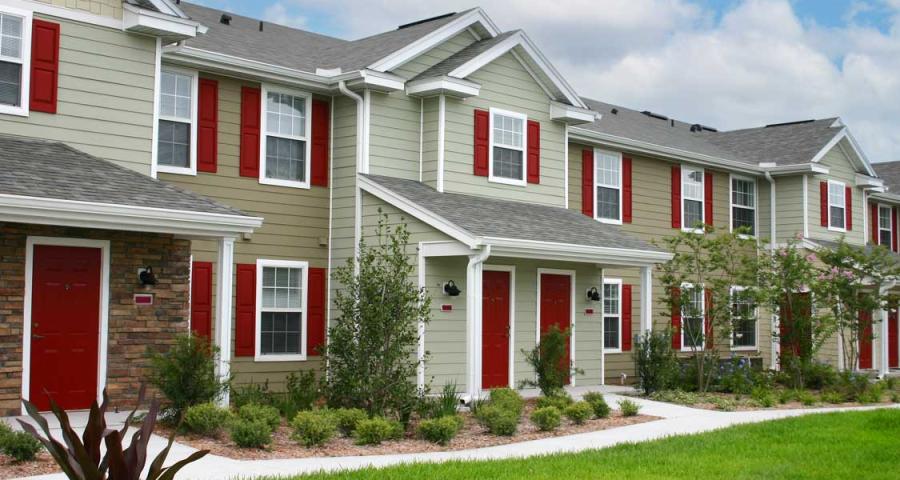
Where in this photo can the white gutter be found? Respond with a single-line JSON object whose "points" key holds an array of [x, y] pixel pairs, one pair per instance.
{"points": [[473, 322], [357, 193]]}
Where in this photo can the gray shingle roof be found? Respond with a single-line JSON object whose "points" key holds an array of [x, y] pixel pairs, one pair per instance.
{"points": [[491, 217], [40, 168], [461, 57], [890, 173]]}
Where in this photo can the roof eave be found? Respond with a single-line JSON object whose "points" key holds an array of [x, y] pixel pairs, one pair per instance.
{"points": [[812, 168], [171, 28], [573, 252], [454, 87]]}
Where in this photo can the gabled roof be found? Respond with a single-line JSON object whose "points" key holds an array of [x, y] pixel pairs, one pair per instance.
{"points": [[786, 144], [890, 173], [463, 56]]}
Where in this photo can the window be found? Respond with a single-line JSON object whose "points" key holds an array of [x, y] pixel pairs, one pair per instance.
{"points": [[176, 138], [692, 317], [15, 54], [608, 179], [884, 226], [281, 310], [743, 324], [691, 198], [836, 205], [743, 205], [612, 314], [507, 147], [285, 145]]}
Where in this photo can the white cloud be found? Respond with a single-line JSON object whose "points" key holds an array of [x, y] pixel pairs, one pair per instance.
{"points": [[279, 13]]}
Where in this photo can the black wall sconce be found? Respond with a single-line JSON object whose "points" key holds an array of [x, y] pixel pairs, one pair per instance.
{"points": [[593, 294], [147, 277], [451, 289]]}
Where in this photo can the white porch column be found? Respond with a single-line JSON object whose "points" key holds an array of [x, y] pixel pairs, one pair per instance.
{"points": [[775, 360], [602, 327], [646, 299], [474, 272], [884, 367], [224, 281], [420, 371]]}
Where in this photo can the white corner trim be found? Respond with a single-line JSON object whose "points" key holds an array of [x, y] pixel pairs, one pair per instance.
{"points": [[565, 166], [261, 263], [805, 205], [511, 269], [103, 341], [223, 319], [157, 73], [442, 133]]}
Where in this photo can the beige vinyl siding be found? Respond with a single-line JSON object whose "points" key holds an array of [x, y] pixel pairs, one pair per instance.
{"points": [[430, 142], [505, 84], [106, 8], [434, 56], [295, 225], [789, 207], [841, 170], [105, 95]]}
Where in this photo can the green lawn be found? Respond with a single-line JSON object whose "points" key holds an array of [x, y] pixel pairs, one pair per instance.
{"points": [[855, 445]]}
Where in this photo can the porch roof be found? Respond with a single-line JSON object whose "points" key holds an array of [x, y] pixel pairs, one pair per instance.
{"points": [[514, 226]]}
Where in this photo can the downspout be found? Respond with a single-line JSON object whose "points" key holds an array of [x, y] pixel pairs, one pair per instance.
{"points": [[360, 117], [473, 321], [776, 344]]}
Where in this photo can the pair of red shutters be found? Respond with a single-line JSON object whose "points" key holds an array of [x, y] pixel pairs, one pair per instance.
{"points": [[482, 147], [875, 227], [676, 321], [848, 206], [245, 307]]}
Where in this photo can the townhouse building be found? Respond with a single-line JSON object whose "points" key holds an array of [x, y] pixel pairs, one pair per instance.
{"points": [[169, 167]]}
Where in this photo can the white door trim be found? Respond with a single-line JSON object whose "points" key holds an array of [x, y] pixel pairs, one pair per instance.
{"points": [[537, 332], [511, 372], [103, 245]]}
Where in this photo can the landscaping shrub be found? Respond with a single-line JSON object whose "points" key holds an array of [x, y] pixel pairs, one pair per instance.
{"points": [[629, 408], [546, 418], [895, 397], [657, 364], [675, 396], [598, 404], [444, 405], [548, 360], [264, 414], [806, 398], [186, 373], [256, 393], [250, 433], [872, 394], [440, 430], [852, 385], [832, 397], [313, 427], [507, 399], [373, 431], [560, 400], [206, 419], [735, 376], [301, 393], [347, 419], [579, 412], [722, 403], [788, 395], [498, 420], [763, 397], [817, 375], [21, 446]]}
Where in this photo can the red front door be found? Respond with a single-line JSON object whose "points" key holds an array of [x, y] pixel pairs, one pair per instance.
{"points": [[893, 340], [495, 329], [201, 299], [65, 326], [556, 304], [865, 340]]}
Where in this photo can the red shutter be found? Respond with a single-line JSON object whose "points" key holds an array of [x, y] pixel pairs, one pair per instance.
{"points": [[245, 311], [894, 229], [676, 198], [44, 66], [315, 304], [708, 197], [873, 223], [626, 318], [707, 322], [587, 182], [626, 189], [865, 340], [534, 152], [848, 211], [482, 140], [319, 146], [207, 125], [201, 299], [823, 207], [250, 131], [676, 319]]}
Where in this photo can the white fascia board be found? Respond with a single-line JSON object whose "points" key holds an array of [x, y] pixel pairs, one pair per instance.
{"points": [[885, 196], [867, 181], [422, 45], [576, 253], [861, 159], [373, 80], [813, 168], [168, 7], [50, 211], [135, 19], [444, 249], [487, 56], [454, 87], [572, 115]]}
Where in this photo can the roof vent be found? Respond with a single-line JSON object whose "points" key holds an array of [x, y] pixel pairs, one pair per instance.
{"points": [[260, 25], [799, 122], [419, 22], [654, 115], [225, 19], [702, 128], [614, 111]]}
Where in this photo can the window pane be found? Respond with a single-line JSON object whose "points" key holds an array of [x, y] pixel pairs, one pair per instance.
{"points": [[508, 131], [744, 333], [285, 114], [10, 84], [744, 320], [884, 237], [693, 213], [611, 299], [744, 217], [175, 95], [835, 194], [10, 36], [508, 163], [743, 193], [692, 330], [285, 159], [611, 332], [608, 203], [692, 184], [174, 144], [837, 217], [607, 170], [280, 333]]}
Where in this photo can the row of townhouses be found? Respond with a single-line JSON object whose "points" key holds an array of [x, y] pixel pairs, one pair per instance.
{"points": [[167, 167]]}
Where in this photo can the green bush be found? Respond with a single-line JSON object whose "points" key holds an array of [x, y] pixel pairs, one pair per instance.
{"points": [[186, 373], [21, 446], [250, 433], [807, 398], [313, 427], [763, 397], [301, 393], [507, 399], [440, 430], [256, 393], [548, 360], [817, 376], [443, 405], [560, 400], [736, 376], [722, 403], [833, 397], [546, 418], [895, 397], [872, 394], [206, 419], [498, 420], [264, 414], [598, 403], [852, 385], [657, 363], [347, 419], [373, 431], [629, 408], [675, 396], [787, 396], [579, 412]]}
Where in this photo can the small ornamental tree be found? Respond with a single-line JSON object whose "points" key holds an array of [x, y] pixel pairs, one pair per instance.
{"points": [[698, 284], [371, 354]]}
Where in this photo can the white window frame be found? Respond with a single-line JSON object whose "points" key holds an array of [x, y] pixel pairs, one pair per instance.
{"points": [[732, 205], [684, 174], [603, 315], [755, 347], [887, 228], [191, 169], [684, 346], [524, 149], [597, 185], [25, 90], [304, 285], [266, 89], [842, 206]]}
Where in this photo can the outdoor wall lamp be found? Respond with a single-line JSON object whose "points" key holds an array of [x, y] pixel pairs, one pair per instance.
{"points": [[451, 289], [146, 276], [593, 294]]}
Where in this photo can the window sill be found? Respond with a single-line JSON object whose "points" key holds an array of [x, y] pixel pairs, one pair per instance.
{"points": [[744, 349], [837, 229], [508, 181], [690, 350], [11, 110], [283, 183], [279, 358], [176, 170], [610, 221], [693, 230], [612, 350]]}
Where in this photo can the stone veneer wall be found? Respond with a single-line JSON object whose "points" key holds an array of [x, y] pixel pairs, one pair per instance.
{"points": [[131, 328]]}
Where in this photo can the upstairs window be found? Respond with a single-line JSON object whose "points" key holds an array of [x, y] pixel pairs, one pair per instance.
{"points": [[743, 328], [281, 315], [15, 50], [743, 205], [693, 314], [692, 198], [836, 205], [285, 145], [507, 150], [175, 146], [884, 226], [612, 315], [608, 184]]}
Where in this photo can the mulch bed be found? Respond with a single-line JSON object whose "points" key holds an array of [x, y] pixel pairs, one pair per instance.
{"points": [[42, 465]]}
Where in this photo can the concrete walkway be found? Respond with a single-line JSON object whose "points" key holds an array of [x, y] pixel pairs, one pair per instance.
{"points": [[676, 420]]}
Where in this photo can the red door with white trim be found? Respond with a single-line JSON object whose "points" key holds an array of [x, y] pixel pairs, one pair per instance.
{"points": [[65, 326], [495, 329], [201, 299], [556, 305]]}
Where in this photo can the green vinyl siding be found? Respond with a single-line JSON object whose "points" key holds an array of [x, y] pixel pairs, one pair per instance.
{"points": [[841, 170]]}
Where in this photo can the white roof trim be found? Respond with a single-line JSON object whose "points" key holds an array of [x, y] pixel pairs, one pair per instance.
{"points": [[429, 41], [571, 114], [139, 20], [168, 7], [455, 87], [842, 134], [73, 213], [813, 168], [868, 181]]}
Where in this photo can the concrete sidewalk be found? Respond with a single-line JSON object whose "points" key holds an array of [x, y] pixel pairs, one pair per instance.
{"points": [[676, 420]]}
